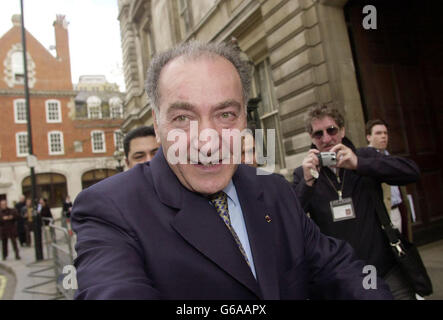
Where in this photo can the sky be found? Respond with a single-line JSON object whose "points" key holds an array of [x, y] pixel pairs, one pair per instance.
{"points": [[94, 32]]}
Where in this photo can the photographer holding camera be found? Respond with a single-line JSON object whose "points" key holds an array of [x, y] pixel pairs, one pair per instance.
{"points": [[339, 187]]}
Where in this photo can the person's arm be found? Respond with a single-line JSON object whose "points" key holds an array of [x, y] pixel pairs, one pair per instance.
{"points": [[390, 169], [304, 182], [110, 261]]}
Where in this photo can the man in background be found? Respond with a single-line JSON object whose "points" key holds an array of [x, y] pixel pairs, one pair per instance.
{"points": [[140, 145], [8, 226], [341, 198], [378, 138]]}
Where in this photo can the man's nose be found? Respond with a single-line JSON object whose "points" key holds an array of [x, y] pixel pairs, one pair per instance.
{"points": [[207, 133], [326, 138]]}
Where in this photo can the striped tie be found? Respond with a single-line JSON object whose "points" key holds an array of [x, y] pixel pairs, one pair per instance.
{"points": [[220, 202]]}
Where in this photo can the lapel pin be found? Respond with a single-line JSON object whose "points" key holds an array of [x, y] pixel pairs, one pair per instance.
{"points": [[268, 218]]}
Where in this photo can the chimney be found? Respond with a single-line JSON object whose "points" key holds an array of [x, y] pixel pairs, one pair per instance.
{"points": [[16, 20], [62, 42]]}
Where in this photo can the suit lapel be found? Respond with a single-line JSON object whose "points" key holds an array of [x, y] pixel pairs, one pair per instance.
{"points": [[198, 223], [260, 234]]}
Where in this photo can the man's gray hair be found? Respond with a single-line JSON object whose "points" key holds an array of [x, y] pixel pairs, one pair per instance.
{"points": [[196, 49]]}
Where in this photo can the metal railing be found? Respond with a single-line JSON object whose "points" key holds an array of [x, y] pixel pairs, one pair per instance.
{"points": [[60, 254], [63, 256]]}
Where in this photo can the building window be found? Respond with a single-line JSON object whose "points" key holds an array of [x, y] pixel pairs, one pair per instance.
{"points": [[14, 71], [94, 107], [55, 143], [53, 111], [118, 140], [96, 175], [98, 141], [269, 119], [116, 108], [21, 139], [20, 111], [18, 69], [51, 186]]}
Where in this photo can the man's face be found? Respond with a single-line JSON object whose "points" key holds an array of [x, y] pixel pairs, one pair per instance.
{"points": [[3, 204], [378, 137], [141, 149], [206, 90], [325, 141]]}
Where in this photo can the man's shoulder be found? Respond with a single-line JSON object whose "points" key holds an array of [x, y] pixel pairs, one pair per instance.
{"points": [[366, 151]]}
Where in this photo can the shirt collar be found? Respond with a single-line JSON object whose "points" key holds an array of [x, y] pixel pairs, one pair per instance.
{"points": [[231, 192]]}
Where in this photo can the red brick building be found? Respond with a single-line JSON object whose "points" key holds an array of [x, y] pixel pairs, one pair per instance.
{"points": [[75, 133]]}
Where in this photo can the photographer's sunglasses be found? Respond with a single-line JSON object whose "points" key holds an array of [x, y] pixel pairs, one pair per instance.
{"points": [[332, 131]]}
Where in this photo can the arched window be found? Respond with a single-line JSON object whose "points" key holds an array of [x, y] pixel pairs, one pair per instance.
{"points": [[94, 107], [116, 108], [14, 71], [51, 186], [18, 69], [93, 176]]}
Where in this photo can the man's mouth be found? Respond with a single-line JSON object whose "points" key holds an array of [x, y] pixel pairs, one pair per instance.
{"points": [[208, 166]]}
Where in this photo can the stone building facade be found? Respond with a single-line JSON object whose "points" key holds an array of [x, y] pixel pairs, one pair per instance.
{"points": [[308, 52], [73, 142]]}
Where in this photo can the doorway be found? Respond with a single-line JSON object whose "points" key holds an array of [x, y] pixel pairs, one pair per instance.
{"points": [[400, 76]]}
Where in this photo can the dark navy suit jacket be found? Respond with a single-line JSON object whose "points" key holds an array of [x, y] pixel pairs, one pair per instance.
{"points": [[142, 235]]}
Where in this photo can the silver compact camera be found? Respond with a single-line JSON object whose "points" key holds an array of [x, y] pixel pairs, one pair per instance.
{"points": [[327, 159]]}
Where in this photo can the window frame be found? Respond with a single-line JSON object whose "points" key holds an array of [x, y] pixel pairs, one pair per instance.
{"points": [[94, 150], [113, 105], [16, 120], [59, 111], [62, 144], [17, 144], [14, 68], [120, 134], [90, 106]]}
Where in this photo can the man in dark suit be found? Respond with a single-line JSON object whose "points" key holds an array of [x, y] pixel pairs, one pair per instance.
{"points": [[198, 229]]}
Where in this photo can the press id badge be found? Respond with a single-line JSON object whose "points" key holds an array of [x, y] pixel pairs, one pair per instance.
{"points": [[342, 209]]}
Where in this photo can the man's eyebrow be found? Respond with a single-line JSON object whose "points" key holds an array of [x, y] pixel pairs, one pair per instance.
{"points": [[228, 103], [138, 153], [180, 106]]}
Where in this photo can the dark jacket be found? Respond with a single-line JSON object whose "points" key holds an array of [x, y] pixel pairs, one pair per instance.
{"points": [[155, 239], [8, 228], [46, 213], [363, 185]]}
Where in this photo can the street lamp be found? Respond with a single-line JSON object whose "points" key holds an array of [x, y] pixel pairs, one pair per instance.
{"points": [[37, 218], [118, 156]]}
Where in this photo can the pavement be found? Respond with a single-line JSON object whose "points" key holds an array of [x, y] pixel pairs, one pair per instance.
{"points": [[36, 280]]}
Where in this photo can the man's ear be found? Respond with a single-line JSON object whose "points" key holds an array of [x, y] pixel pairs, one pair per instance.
{"points": [[368, 137], [127, 162], [154, 117], [343, 132]]}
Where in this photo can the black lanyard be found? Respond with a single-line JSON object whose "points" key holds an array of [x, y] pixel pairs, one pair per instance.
{"points": [[339, 192]]}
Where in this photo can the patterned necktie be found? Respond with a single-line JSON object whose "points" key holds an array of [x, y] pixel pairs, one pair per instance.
{"points": [[220, 202]]}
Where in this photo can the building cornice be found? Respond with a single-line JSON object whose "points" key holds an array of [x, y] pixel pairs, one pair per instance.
{"points": [[39, 93]]}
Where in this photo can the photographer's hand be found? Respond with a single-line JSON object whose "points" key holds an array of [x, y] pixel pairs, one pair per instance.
{"points": [[310, 162], [346, 158]]}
